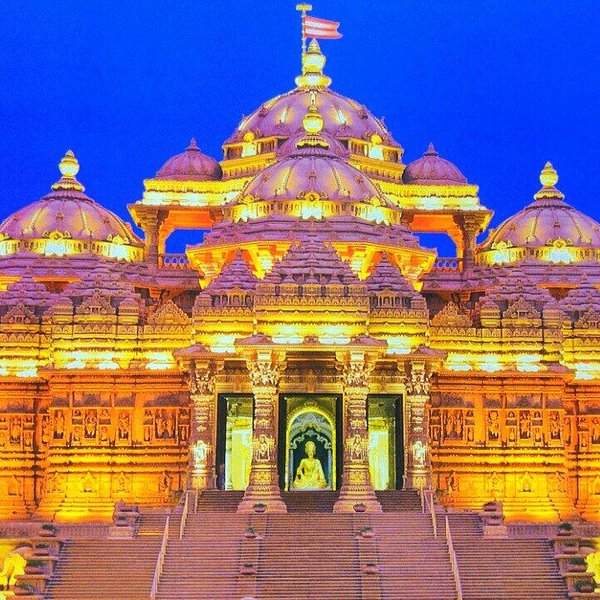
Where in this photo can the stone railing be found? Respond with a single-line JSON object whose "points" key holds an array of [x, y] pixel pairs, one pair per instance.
{"points": [[173, 261], [448, 264]]}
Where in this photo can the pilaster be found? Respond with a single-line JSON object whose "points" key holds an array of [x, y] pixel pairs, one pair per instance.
{"points": [[417, 452], [264, 371], [202, 439], [356, 490]]}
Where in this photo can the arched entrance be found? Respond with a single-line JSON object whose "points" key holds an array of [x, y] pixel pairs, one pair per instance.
{"points": [[310, 435]]}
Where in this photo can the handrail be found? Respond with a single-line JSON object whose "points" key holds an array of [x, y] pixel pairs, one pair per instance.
{"points": [[433, 514], [184, 515], [453, 561], [197, 493], [422, 499], [160, 560]]}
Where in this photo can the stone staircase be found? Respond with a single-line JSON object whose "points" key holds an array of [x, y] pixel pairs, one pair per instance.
{"points": [[315, 502], [204, 565], [307, 554], [508, 569], [414, 565], [397, 500], [104, 570]]}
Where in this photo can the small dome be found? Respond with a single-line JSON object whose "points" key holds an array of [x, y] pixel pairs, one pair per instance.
{"points": [[191, 165], [430, 169], [548, 229], [66, 221]]}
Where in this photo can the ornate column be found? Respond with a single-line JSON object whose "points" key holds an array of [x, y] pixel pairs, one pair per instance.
{"points": [[202, 436], [151, 223], [263, 487], [417, 472], [356, 478], [470, 226]]}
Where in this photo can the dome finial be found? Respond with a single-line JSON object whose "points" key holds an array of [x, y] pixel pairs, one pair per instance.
{"points": [[193, 145], [313, 62], [548, 176], [68, 167], [313, 124], [431, 151], [549, 179]]}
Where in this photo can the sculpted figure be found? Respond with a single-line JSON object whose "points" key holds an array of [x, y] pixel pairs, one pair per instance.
{"points": [[419, 451], [310, 471], [59, 425]]}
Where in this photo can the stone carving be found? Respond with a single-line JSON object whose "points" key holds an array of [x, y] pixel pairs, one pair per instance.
{"points": [[265, 373], [493, 426], [451, 316], [123, 426], [96, 304], [59, 425], [417, 382], [264, 448], [357, 447], [90, 424], [419, 453], [356, 374], [202, 380]]}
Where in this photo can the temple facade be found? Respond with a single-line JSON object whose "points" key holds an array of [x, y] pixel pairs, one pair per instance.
{"points": [[309, 342]]}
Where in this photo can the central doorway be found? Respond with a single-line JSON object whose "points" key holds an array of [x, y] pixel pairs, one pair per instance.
{"points": [[310, 458]]}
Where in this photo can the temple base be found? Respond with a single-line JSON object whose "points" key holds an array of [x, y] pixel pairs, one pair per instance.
{"points": [[263, 494], [358, 495]]}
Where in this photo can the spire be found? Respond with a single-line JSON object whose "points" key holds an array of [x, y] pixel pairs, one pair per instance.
{"points": [[431, 151], [548, 179], [313, 126], [193, 145], [68, 167], [313, 62]]}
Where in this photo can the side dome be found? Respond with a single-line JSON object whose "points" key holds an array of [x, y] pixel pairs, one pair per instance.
{"points": [[312, 181], [191, 165], [66, 222], [264, 131], [548, 230], [431, 169]]}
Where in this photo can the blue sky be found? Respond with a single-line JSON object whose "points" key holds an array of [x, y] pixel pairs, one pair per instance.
{"points": [[499, 87]]}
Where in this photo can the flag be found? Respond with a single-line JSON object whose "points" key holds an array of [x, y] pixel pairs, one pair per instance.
{"points": [[320, 28]]}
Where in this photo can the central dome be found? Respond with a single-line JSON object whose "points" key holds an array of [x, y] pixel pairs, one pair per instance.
{"points": [[281, 117], [313, 181]]}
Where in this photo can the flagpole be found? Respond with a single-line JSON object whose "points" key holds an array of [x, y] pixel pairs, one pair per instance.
{"points": [[303, 8]]}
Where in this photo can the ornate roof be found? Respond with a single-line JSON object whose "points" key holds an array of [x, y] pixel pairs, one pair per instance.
{"points": [[282, 116], [431, 169], [315, 180], [191, 165], [547, 230], [66, 221]]}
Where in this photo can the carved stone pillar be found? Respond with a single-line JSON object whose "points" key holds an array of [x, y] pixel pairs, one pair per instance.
{"points": [[151, 226], [417, 453], [202, 436], [356, 478], [263, 487], [469, 228]]}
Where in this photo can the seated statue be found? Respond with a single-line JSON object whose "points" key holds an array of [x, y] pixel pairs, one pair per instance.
{"points": [[309, 475]]}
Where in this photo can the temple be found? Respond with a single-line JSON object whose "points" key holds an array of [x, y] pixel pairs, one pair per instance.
{"points": [[308, 344]]}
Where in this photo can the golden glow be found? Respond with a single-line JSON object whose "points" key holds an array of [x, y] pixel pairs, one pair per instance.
{"points": [[375, 147], [560, 253], [159, 361], [490, 363], [528, 362], [249, 147], [222, 343], [399, 344], [341, 117]]}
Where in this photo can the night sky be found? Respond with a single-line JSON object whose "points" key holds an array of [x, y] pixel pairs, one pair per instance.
{"points": [[500, 86]]}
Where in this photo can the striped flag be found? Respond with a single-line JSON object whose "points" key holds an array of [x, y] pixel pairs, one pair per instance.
{"points": [[320, 28]]}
